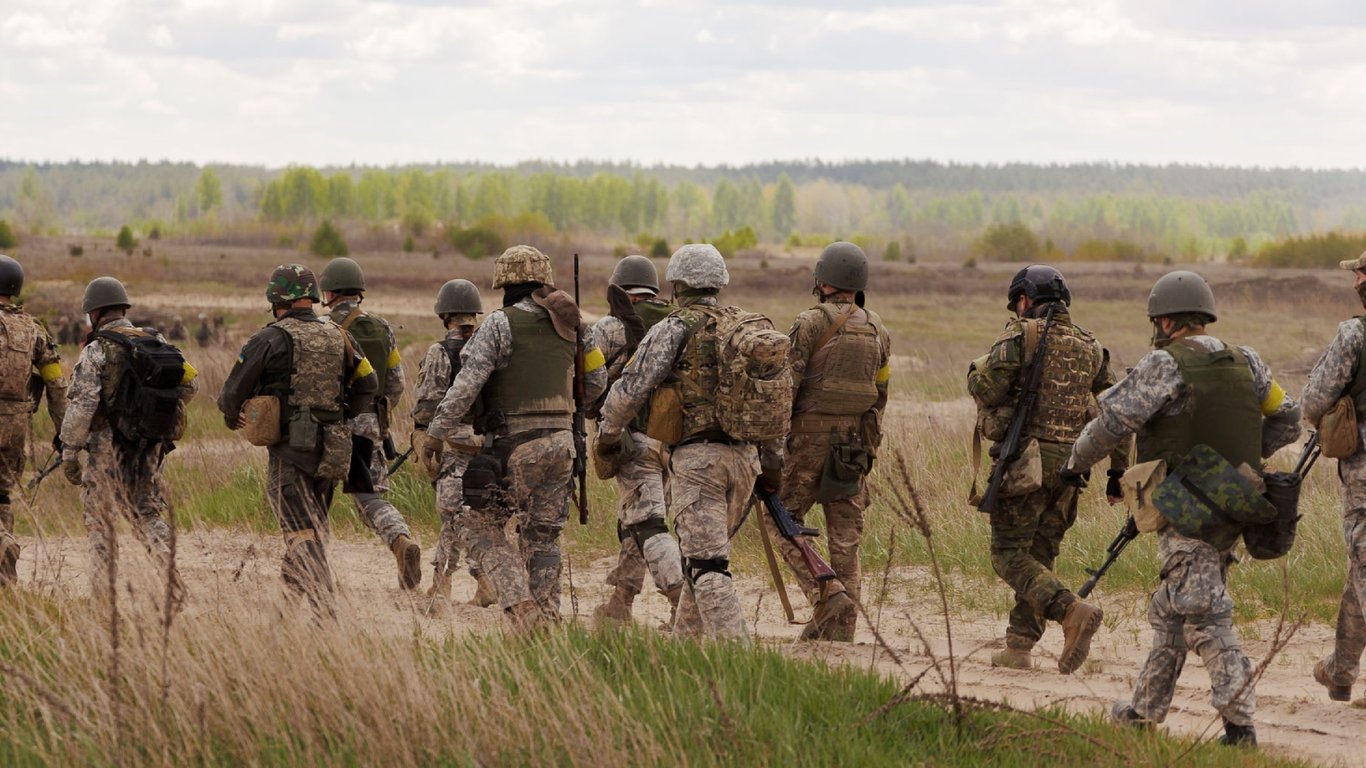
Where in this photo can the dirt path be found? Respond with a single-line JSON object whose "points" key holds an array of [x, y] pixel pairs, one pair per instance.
{"points": [[1294, 715]]}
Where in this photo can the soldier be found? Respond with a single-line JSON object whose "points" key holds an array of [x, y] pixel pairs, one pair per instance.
{"points": [[521, 363], [1027, 528], [712, 475], [343, 287], [28, 353], [458, 305], [1337, 375], [178, 331], [124, 442], [641, 526], [203, 334], [1192, 389], [319, 378]]}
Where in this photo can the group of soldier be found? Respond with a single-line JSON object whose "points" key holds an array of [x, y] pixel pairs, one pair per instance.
{"points": [[494, 429]]}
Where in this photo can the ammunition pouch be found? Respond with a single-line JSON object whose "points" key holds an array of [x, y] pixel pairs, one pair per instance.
{"points": [[1338, 435], [1269, 541], [846, 464], [1025, 473], [666, 414], [485, 481]]}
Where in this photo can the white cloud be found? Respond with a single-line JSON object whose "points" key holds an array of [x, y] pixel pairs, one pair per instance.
{"points": [[160, 36]]}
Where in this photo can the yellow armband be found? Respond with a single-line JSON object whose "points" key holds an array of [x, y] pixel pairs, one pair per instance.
{"points": [[593, 360], [1274, 397], [884, 374], [189, 374], [362, 370], [50, 372], [394, 360]]}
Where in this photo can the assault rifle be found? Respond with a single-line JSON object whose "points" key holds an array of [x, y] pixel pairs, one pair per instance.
{"points": [[1009, 447], [45, 471], [580, 403], [401, 458], [795, 533], [1126, 534]]}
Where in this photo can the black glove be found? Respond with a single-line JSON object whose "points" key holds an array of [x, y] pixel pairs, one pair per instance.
{"points": [[1072, 477], [1113, 489], [771, 478], [57, 442]]}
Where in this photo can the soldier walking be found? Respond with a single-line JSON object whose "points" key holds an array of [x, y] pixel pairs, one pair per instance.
{"points": [[521, 362], [125, 430], [1337, 375], [1028, 525], [1192, 391], [641, 524], [319, 378], [343, 287], [28, 352]]}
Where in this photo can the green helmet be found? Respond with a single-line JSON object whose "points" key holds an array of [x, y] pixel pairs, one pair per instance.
{"points": [[342, 274], [458, 297], [104, 293], [844, 266], [636, 274], [291, 282], [11, 277], [1179, 293], [522, 264]]}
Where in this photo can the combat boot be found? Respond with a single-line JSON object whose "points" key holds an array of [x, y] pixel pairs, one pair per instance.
{"points": [[9, 559], [441, 584], [1122, 713], [827, 622], [616, 611], [1335, 692], [484, 596], [1013, 658], [526, 617], [409, 558], [1079, 624], [1239, 736]]}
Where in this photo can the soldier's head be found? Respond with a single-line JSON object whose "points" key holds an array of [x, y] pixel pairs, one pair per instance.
{"points": [[11, 278], [841, 273], [342, 278], [1358, 268], [1181, 304], [1036, 286], [637, 276], [458, 304], [523, 265], [105, 297], [290, 286], [697, 269]]}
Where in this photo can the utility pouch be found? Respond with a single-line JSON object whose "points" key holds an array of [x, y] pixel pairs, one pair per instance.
{"points": [[1025, 473], [303, 430], [262, 415], [666, 415], [1274, 539], [336, 458], [1139, 482], [995, 422], [846, 463], [1338, 436], [483, 479]]}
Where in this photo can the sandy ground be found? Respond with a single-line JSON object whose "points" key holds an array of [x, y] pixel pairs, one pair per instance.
{"points": [[1294, 716]]}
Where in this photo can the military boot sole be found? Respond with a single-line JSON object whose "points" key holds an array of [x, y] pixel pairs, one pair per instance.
{"points": [[1073, 657], [1335, 692], [409, 566]]}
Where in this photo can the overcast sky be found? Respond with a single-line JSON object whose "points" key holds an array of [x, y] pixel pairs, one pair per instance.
{"points": [[1254, 82]]}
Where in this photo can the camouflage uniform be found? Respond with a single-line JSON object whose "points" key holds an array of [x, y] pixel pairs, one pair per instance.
{"points": [[378, 513], [839, 400], [29, 352], [1191, 608], [539, 470], [1334, 376], [115, 477], [1027, 530]]}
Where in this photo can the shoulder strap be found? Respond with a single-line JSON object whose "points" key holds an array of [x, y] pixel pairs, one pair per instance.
{"points": [[837, 322], [351, 318]]}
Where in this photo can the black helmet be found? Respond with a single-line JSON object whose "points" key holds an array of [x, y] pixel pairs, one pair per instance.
{"points": [[11, 277], [1041, 283], [844, 266]]}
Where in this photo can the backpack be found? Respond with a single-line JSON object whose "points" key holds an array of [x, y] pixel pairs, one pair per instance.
{"points": [[146, 404], [753, 397]]}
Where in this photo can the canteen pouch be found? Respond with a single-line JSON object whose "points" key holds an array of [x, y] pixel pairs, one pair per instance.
{"points": [[1338, 436], [666, 415], [846, 463], [336, 459], [1139, 482], [262, 414]]}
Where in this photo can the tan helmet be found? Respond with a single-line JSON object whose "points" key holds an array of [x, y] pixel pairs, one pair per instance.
{"points": [[522, 264]]}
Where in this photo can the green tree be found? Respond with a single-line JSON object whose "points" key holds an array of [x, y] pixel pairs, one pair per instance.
{"points": [[892, 252], [1007, 242], [209, 190], [784, 207], [125, 240], [7, 238], [327, 241]]}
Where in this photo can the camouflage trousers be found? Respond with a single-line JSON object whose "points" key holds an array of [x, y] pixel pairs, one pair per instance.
{"points": [[374, 509], [300, 502], [13, 431], [117, 483], [538, 481], [1191, 610], [645, 540], [710, 485], [1344, 663], [804, 462], [454, 539]]}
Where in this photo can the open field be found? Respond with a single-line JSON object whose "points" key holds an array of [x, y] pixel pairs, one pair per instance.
{"points": [[941, 316]]}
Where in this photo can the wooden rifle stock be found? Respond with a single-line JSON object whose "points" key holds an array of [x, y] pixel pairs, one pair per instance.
{"points": [[797, 534]]}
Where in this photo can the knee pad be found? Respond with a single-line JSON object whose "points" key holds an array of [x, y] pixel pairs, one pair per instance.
{"points": [[543, 560], [1165, 639], [539, 533], [696, 568], [644, 531]]}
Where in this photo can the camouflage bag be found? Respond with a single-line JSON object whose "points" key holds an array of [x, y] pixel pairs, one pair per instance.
{"points": [[336, 458], [1205, 497], [1274, 539], [754, 381]]}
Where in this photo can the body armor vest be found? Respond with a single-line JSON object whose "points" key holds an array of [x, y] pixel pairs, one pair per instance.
{"points": [[18, 335], [1065, 402], [373, 337], [696, 371], [1221, 410], [651, 311], [841, 376], [1356, 389], [318, 355], [539, 379]]}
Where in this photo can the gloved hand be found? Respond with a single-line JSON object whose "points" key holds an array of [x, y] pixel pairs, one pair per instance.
{"points": [[428, 450], [1072, 477], [1114, 492], [57, 443], [610, 451], [71, 470], [771, 477]]}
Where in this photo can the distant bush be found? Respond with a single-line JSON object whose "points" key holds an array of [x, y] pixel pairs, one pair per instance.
{"points": [[892, 252], [621, 251], [659, 249], [730, 242], [7, 238], [328, 241], [1113, 250], [1311, 251], [1007, 242], [408, 244], [125, 240], [477, 241], [75, 250]]}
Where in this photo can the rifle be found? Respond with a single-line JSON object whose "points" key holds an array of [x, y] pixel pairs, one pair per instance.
{"points": [[42, 474], [1126, 534], [795, 533], [402, 458], [1009, 447], [390, 450], [580, 403]]}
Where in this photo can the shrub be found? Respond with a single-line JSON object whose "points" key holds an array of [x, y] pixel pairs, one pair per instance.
{"points": [[408, 244], [477, 241], [892, 252], [1007, 242], [75, 250], [659, 249], [125, 240], [7, 238], [327, 241]]}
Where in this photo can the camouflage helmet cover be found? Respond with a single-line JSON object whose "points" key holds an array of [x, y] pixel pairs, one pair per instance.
{"points": [[458, 297], [698, 265], [1181, 292], [11, 277], [636, 274], [104, 293], [291, 282], [342, 274], [843, 265], [522, 264]]}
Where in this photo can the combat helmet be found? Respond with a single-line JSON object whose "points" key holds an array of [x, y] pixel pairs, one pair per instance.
{"points": [[844, 266], [1040, 283], [698, 265], [291, 282], [105, 293], [1181, 292], [522, 264], [11, 277], [342, 274], [458, 297], [636, 274]]}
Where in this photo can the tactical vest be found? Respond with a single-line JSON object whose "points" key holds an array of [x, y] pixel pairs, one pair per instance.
{"points": [[841, 376], [697, 371], [539, 379], [651, 311], [1221, 410], [318, 372], [18, 336], [373, 337], [1071, 364], [1357, 388]]}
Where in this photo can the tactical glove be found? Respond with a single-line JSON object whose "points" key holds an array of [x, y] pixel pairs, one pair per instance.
{"points": [[1113, 490], [771, 478], [428, 450], [610, 451], [1072, 477], [71, 470]]}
